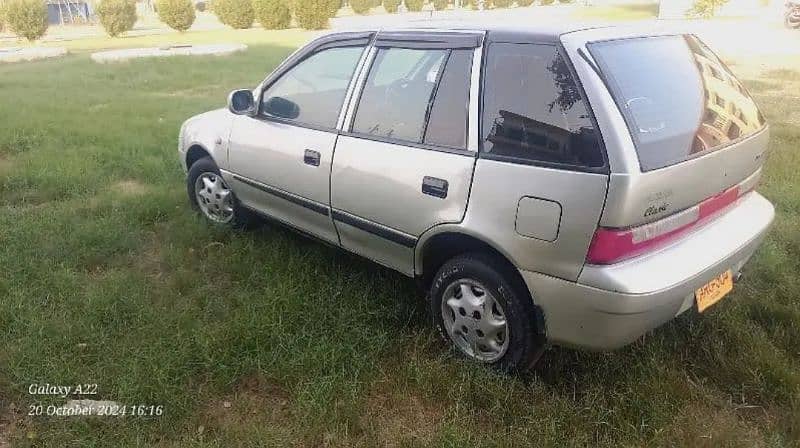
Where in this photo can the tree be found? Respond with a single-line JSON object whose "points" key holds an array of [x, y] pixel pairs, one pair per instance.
{"points": [[177, 14], [117, 16], [272, 14], [26, 18]]}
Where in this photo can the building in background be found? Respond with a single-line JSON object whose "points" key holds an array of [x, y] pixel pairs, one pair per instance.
{"points": [[66, 12]]}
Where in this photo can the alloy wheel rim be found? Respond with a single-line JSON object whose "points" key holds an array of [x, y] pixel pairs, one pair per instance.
{"points": [[475, 320], [214, 198]]}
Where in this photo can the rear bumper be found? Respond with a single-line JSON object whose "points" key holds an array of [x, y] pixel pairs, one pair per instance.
{"points": [[612, 306]]}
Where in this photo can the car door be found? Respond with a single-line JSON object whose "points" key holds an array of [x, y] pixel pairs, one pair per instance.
{"points": [[280, 158], [404, 163]]}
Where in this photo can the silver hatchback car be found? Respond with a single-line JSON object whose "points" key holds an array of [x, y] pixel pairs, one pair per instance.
{"points": [[576, 187]]}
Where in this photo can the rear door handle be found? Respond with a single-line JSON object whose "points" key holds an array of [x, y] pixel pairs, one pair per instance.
{"points": [[434, 186], [311, 157]]}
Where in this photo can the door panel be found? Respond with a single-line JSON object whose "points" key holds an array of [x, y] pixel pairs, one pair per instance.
{"points": [[272, 173], [382, 183], [404, 168], [280, 160]]}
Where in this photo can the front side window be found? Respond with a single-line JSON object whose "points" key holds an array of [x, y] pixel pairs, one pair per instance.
{"points": [[677, 97], [312, 91], [408, 88], [533, 109]]}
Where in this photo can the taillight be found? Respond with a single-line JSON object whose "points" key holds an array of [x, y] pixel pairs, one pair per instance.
{"points": [[614, 245]]}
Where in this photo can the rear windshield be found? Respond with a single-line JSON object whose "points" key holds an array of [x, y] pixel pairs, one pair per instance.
{"points": [[678, 99]]}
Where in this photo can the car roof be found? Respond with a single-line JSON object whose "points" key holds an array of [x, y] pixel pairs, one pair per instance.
{"points": [[495, 32]]}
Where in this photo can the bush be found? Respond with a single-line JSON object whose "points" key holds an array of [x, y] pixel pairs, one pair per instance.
{"points": [[272, 14], [705, 8], [548, 2], [26, 18], [391, 6], [334, 6], [501, 3], [524, 3], [415, 5], [312, 14], [236, 14], [360, 6], [117, 16], [177, 14], [565, 1], [440, 5]]}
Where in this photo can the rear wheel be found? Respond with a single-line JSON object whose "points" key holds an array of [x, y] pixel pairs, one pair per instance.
{"points": [[211, 196], [480, 307]]}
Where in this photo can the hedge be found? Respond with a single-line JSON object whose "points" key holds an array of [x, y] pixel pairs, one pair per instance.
{"points": [[440, 5], [236, 14], [360, 6], [177, 14], [415, 5], [272, 14], [391, 6], [312, 14]]}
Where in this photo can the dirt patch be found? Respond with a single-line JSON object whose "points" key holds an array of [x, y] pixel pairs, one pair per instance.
{"points": [[9, 419], [5, 164], [150, 260], [712, 426], [395, 416], [254, 398], [130, 187]]}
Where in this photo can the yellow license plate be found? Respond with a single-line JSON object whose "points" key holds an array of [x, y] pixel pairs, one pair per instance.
{"points": [[713, 291]]}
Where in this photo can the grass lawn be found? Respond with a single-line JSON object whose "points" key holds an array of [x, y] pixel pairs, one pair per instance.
{"points": [[267, 338]]}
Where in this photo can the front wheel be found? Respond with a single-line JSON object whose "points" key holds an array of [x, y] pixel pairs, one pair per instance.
{"points": [[482, 309], [211, 196]]}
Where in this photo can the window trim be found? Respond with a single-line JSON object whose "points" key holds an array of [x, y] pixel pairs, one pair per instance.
{"points": [[560, 49], [347, 129], [340, 40], [635, 138]]}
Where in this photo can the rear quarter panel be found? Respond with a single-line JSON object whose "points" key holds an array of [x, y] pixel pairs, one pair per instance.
{"points": [[492, 211]]}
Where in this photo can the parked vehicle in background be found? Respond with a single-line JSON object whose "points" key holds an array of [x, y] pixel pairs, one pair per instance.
{"points": [[546, 186], [791, 17]]}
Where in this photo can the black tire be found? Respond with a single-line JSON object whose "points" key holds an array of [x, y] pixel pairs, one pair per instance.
{"points": [[526, 341], [242, 217]]}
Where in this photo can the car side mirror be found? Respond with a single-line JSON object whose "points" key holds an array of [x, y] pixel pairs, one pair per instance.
{"points": [[282, 108], [240, 102]]}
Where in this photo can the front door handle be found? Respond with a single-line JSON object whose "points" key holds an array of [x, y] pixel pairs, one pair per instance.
{"points": [[434, 186], [311, 157]]}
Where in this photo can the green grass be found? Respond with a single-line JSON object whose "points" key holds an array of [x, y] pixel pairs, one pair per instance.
{"points": [[267, 338]]}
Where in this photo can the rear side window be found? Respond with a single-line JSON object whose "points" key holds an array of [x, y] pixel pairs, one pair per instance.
{"points": [[678, 99], [533, 110], [418, 96]]}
